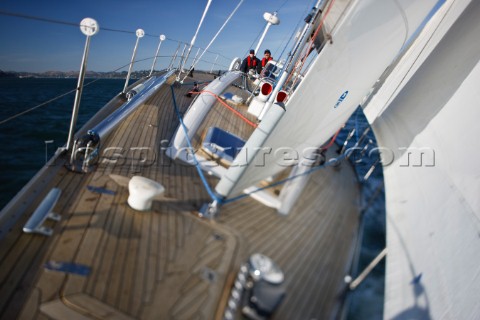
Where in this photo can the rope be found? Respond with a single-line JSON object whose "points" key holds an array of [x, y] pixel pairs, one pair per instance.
{"points": [[212, 195], [281, 181], [204, 180], [227, 106], [332, 140], [314, 37], [196, 163], [294, 32]]}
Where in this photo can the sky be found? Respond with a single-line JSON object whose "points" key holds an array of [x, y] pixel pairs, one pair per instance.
{"points": [[38, 46]]}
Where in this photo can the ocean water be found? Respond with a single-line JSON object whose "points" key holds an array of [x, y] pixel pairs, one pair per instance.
{"points": [[23, 138], [25, 152], [366, 302]]}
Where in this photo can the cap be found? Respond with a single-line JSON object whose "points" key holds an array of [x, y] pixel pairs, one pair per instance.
{"points": [[267, 51], [252, 51]]}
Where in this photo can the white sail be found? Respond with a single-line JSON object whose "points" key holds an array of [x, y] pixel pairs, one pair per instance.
{"points": [[366, 39], [429, 134]]}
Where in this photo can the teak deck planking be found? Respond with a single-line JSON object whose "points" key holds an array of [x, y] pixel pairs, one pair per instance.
{"points": [[168, 263]]}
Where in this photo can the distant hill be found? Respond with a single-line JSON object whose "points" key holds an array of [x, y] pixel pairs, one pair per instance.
{"points": [[89, 74], [7, 74], [74, 74]]}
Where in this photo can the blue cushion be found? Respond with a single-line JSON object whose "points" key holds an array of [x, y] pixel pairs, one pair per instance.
{"points": [[228, 95], [222, 144]]}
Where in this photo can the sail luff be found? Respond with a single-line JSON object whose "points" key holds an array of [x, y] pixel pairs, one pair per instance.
{"points": [[432, 180], [365, 41]]}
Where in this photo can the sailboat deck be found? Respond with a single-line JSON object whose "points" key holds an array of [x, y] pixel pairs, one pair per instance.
{"points": [[168, 263]]}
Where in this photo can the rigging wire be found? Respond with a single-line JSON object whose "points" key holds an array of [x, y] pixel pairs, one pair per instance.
{"points": [[61, 95], [312, 40], [255, 40], [73, 90], [281, 6], [295, 30], [214, 37], [261, 30], [213, 196], [208, 188], [38, 106], [75, 24], [291, 36], [192, 42], [20, 15], [57, 97], [280, 182], [67, 23]]}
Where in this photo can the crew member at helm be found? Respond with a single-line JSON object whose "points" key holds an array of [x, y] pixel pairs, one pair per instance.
{"points": [[251, 63], [267, 57]]}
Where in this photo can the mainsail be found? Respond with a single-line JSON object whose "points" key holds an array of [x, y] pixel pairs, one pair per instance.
{"points": [[429, 137], [366, 40]]}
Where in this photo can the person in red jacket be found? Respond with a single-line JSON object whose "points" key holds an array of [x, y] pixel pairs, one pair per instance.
{"points": [[251, 62], [267, 72], [267, 57]]}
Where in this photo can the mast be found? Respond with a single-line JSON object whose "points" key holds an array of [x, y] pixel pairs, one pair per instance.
{"points": [[247, 154], [330, 91], [271, 19]]}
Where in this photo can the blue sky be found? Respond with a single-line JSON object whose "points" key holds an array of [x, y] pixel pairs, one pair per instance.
{"points": [[31, 45]]}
